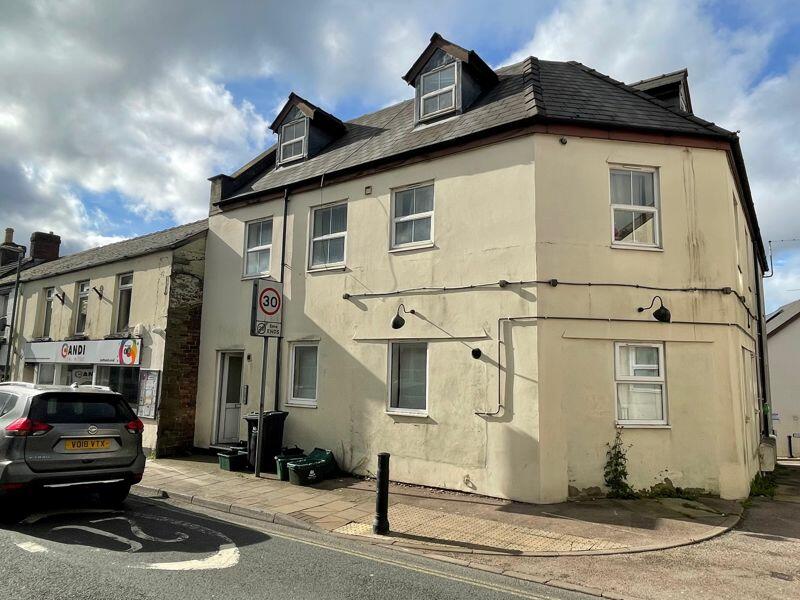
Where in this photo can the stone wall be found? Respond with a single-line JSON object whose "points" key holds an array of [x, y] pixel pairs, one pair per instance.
{"points": [[176, 414]]}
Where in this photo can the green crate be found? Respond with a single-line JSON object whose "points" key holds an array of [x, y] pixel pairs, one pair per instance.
{"points": [[306, 471], [331, 468], [232, 462], [282, 460]]}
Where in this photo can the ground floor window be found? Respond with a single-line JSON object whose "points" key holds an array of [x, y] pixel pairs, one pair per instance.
{"points": [[45, 373], [304, 374], [640, 382], [408, 376], [123, 380]]}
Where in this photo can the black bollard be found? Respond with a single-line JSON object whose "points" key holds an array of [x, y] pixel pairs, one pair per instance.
{"points": [[381, 524]]}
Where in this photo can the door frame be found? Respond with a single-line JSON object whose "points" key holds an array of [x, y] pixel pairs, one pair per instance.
{"points": [[220, 381]]}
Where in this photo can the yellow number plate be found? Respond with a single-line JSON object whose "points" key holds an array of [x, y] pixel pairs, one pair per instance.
{"points": [[88, 445]]}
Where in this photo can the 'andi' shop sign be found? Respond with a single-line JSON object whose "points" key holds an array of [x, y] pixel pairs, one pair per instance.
{"points": [[96, 352]]}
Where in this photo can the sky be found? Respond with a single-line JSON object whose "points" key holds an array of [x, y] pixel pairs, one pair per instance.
{"points": [[113, 115]]}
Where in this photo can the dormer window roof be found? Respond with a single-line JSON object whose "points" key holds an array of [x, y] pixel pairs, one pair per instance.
{"points": [[303, 129], [447, 79]]}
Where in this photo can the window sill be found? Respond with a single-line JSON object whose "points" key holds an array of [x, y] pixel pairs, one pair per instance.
{"points": [[410, 247], [632, 247], [643, 426], [259, 276], [299, 404], [422, 414], [336, 267]]}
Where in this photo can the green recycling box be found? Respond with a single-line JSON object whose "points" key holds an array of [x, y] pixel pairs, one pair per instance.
{"points": [[306, 471]]}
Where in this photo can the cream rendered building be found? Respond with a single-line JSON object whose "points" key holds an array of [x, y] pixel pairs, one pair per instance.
{"points": [[126, 316], [515, 221]]}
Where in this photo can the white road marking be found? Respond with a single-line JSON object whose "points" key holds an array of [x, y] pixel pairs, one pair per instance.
{"points": [[226, 557], [32, 547], [137, 531], [134, 545]]}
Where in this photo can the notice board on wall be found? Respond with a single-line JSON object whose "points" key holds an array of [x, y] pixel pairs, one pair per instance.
{"points": [[148, 393]]}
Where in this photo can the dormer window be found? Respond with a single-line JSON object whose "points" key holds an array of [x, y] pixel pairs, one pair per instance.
{"points": [[304, 130], [293, 138], [447, 80], [438, 94]]}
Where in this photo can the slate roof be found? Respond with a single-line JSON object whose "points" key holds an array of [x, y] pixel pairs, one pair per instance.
{"points": [[139, 246], [782, 317], [528, 92], [549, 90]]}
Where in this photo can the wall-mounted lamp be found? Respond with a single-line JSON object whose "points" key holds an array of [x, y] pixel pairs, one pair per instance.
{"points": [[98, 292], [399, 321], [661, 313], [61, 297]]}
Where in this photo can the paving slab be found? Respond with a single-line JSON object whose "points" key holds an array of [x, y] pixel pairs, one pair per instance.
{"points": [[449, 522]]}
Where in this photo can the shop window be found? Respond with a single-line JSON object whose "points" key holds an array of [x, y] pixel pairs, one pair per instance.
{"points": [[46, 373], [123, 380]]}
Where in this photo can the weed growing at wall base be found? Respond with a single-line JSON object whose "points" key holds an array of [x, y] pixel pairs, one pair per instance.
{"points": [[616, 470]]}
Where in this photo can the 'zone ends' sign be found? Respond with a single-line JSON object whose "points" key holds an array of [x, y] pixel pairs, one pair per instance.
{"points": [[265, 320]]}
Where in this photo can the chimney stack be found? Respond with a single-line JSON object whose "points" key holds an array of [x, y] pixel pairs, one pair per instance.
{"points": [[45, 246], [8, 253]]}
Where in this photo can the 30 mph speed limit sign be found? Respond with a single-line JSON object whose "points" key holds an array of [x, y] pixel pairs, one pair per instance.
{"points": [[267, 308]]}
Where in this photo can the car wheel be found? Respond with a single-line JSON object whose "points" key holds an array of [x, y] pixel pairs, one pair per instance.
{"points": [[115, 494]]}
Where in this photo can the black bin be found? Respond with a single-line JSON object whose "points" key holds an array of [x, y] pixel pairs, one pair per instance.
{"points": [[271, 442]]}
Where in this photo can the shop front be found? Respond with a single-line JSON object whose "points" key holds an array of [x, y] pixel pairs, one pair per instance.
{"points": [[112, 363]]}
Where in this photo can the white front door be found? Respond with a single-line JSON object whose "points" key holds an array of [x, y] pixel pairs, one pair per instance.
{"points": [[230, 396]]}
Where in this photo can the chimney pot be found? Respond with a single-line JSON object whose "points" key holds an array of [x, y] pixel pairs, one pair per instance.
{"points": [[9, 235]]}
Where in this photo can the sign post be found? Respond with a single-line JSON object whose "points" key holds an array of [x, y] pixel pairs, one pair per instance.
{"points": [[265, 322]]}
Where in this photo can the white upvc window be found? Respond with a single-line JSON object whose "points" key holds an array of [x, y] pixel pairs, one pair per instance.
{"points": [[328, 236], [412, 216], [258, 248], [640, 383], [438, 91], [81, 307], [47, 321], [635, 207], [124, 299], [408, 378], [303, 376], [293, 140]]}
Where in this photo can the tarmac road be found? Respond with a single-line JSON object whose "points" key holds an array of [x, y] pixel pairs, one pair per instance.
{"points": [[155, 549]]}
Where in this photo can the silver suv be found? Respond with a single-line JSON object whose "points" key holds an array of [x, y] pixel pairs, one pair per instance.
{"points": [[54, 436]]}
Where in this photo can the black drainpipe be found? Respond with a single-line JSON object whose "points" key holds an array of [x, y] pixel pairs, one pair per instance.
{"points": [[280, 338], [761, 350]]}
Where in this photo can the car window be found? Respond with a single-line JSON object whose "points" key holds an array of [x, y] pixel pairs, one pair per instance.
{"points": [[7, 403], [80, 408]]}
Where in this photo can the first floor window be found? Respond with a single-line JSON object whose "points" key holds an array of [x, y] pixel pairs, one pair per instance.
{"points": [[304, 374], [412, 216], [635, 207], [124, 296], [328, 236], [641, 393], [258, 248], [49, 293], [409, 376], [82, 307]]}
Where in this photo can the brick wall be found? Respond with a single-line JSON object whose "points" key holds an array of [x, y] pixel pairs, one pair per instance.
{"points": [[176, 411]]}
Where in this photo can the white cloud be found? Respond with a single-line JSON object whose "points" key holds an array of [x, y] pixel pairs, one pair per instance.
{"points": [[631, 40]]}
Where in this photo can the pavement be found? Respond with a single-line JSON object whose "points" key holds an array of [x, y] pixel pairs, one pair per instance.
{"points": [[758, 559], [443, 522], [70, 548]]}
